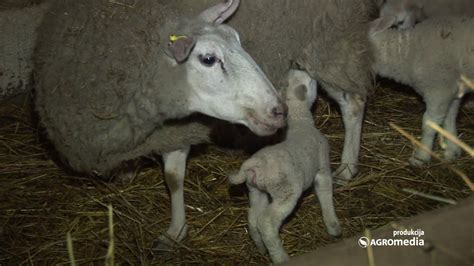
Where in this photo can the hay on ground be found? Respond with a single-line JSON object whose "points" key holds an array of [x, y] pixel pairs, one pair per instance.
{"points": [[43, 202]]}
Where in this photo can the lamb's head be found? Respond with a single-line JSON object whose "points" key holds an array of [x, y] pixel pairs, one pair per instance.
{"points": [[301, 88], [223, 80], [401, 14]]}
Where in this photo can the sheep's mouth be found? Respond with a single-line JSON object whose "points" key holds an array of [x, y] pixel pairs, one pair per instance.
{"points": [[261, 127]]}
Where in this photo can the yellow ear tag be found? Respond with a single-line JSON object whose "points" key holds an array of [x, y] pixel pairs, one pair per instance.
{"points": [[174, 38]]}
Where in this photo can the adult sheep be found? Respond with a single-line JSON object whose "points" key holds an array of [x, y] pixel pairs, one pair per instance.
{"points": [[109, 77], [328, 39]]}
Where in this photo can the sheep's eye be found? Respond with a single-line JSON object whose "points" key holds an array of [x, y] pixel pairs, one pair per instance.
{"points": [[208, 60]]}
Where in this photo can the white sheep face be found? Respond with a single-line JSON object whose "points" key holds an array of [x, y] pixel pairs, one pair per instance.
{"points": [[226, 83]]}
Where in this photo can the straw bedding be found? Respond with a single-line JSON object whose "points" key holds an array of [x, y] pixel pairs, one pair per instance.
{"points": [[42, 201]]}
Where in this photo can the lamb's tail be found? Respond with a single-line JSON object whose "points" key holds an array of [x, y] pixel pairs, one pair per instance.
{"points": [[238, 178], [248, 171]]}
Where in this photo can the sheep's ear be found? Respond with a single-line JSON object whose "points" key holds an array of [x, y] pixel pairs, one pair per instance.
{"points": [[221, 12], [381, 24], [301, 92], [181, 48]]}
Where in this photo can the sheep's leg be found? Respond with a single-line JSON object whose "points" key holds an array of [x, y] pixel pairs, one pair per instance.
{"points": [[269, 222], [352, 108], [436, 111], [323, 188], [452, 151], [175, 168], [258, 203]]}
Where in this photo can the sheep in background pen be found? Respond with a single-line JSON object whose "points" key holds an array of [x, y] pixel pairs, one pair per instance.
{"points": [[283, 171], [431, 58], [404, 14]]}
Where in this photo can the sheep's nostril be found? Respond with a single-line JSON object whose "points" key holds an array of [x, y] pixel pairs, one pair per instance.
{"points": [[281, 110]]}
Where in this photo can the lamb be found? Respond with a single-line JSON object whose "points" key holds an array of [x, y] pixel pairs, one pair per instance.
{"points": [[431, 58], [113, 79], [285, 170]]}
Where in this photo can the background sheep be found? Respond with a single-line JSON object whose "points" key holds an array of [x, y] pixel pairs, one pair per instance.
{"points": [[405, 13], [109, 76], [18, 31], [431, 58], [286, 169]]}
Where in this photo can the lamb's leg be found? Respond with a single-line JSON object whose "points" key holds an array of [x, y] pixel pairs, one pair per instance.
{"points": [[284, 200], [175, 168], [258, 203], [352, 109], [452, 151], [323, 188], [436, 111]]}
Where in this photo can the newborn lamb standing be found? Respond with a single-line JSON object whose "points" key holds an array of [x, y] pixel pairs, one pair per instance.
{"points": [[285, 170], [431, 58]]}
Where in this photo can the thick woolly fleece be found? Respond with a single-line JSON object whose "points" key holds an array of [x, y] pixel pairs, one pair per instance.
{"points": [[18, 31], [109, 103]]}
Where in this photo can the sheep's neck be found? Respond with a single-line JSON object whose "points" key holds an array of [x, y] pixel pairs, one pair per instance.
{"points": [[166, 95]]}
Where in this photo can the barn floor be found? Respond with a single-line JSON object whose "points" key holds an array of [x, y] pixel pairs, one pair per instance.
{"points": [[41, 202]]}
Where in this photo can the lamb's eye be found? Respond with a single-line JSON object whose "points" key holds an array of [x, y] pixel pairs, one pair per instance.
{"points": [[208, 60]]}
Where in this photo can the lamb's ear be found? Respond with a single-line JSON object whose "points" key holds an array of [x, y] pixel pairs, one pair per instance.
{"points": [[301, 92], [381, 24], [181, 48], [221, 12]]}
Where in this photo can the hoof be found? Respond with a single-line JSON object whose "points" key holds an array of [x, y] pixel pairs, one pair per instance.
{"points": [[417, 162], [257, 239], [261, 248], [163, 244], [166, 243], [453, 153], [280, 258], [334, 229], [345, 172]]}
